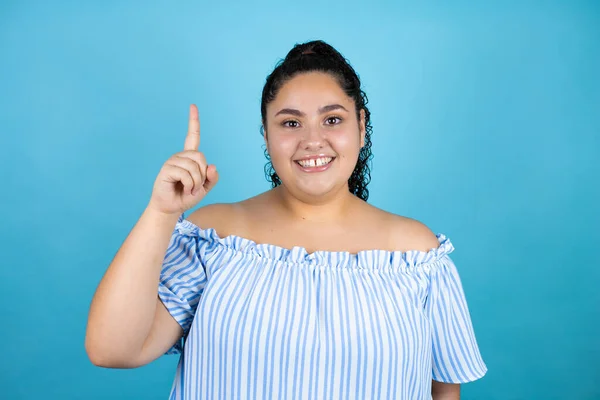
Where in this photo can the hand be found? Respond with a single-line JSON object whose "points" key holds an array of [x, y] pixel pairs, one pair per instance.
{"points": [[185, 178]]}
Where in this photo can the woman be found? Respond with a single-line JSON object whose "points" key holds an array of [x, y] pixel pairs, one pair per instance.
{"points": [[304, 291]]}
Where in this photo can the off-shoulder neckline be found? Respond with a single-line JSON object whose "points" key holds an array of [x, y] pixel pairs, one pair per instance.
{"points": [[370, 258]]}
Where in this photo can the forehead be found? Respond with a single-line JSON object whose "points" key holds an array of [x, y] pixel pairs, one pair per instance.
{"points": [[313, 89]]}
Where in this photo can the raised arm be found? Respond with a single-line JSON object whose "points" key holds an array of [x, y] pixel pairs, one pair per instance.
{"points": [[445, 391], [127, 325]]}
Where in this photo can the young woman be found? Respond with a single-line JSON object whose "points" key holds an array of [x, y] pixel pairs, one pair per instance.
{"points": [[303, 292]]}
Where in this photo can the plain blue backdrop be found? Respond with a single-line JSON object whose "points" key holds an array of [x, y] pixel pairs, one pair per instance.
{"points": [[486, 128]]}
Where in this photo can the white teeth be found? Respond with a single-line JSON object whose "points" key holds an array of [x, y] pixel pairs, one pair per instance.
{"points": [[315, 162]]}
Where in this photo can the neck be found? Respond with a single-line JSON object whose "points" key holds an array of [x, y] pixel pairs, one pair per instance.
{"points": [[333, 207]]}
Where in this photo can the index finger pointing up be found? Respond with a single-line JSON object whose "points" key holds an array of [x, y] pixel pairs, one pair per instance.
{"points": [[192, 141]]}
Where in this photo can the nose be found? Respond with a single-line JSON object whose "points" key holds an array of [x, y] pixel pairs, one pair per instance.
{"points": [[313, 139]]}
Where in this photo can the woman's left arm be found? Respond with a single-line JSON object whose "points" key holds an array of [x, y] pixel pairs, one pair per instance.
{"points": [[445, 391]]}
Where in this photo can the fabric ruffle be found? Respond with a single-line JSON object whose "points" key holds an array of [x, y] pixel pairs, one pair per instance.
{"points": [[365, 259]]}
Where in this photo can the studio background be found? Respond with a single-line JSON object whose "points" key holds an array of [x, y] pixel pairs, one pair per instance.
{"points": [[486, 127]]}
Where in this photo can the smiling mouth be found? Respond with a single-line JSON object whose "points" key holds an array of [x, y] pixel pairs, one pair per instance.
{"points": [[315, 162]]}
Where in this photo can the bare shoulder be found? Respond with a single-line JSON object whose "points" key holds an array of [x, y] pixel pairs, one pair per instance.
{"points": [[415, 234], [218, 216], [407, 233], [227, 218]]}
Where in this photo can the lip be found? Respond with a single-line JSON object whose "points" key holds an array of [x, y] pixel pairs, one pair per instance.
{"points": [[314, 157], [314, 169]]}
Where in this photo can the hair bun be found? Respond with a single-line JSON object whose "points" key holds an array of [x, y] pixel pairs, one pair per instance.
{"points": [[312, 48], [318, 56]]}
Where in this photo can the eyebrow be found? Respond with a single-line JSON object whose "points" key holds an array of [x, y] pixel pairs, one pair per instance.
{"points": [[322, 110]]}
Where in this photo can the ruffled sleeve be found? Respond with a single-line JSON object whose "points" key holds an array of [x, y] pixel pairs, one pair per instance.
{"points": [[183, 277], [456, 355]]}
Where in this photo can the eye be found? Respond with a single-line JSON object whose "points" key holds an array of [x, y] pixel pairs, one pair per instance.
{"points": [[290, 123], [333, 120]]}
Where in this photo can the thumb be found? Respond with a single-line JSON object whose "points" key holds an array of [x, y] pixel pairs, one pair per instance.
{"points": [[212, 177]]}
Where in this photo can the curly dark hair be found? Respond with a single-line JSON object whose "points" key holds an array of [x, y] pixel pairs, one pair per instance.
{"points": [[318, 56]]}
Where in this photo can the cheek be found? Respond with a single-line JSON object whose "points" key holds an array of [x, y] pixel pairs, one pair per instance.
{"points": [[346, 144], [282, 147]]}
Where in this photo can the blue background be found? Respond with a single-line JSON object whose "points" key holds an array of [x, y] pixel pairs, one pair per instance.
{"points": [[486, 127]]}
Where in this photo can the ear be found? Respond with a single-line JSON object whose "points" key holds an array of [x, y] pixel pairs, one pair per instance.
{"points": [[363, 129], [264, 131]]}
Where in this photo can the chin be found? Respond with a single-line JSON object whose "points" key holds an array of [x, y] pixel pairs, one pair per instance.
{"points": [[312, 186], [315, 190]]}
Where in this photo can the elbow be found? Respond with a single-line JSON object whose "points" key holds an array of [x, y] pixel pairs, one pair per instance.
{"points": [[106, 356], [102, 358]]}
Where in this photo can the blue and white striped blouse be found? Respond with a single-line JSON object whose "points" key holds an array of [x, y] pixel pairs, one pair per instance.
{"points": [[264, 322]]}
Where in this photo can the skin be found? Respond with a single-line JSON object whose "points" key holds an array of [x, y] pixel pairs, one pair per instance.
{"points": [[311, 115]]}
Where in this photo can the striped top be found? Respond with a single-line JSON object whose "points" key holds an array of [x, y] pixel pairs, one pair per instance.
{"points": [[264, 322]]}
